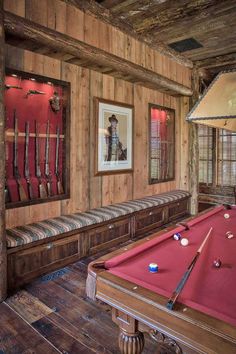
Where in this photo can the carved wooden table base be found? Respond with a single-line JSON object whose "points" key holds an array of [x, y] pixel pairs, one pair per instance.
{"points": [[131, 343], [131, 340]]}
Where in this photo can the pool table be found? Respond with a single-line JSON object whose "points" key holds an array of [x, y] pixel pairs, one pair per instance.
{"points": [[203, 319]]}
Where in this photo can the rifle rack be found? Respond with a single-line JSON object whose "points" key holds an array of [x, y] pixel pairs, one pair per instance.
{"points": [[37, 142]]}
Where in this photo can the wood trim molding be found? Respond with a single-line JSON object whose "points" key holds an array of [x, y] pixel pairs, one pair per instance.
{"points": [[3, 250], [96, 10], [193, 149], [26, 34]]}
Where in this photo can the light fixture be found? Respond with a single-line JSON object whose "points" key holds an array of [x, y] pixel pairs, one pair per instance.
{"points": [[217, 106]]}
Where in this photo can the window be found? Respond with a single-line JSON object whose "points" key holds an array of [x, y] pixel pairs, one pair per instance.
{"points": [[161, 144], [205, 136], [226, 159], [217, 157]]}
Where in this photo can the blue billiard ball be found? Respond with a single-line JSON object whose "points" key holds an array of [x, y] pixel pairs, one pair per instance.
{"points": [[153, 268], [177, 236]]}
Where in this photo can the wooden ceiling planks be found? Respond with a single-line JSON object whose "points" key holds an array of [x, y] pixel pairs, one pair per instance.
{"points": [[210, 22]]}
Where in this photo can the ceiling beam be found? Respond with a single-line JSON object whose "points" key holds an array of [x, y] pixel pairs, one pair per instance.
{"points": [[220, 60], [96, 10], [26, 34], [162, 16]]}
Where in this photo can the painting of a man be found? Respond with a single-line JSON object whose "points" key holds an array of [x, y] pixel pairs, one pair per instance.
{"points": [[114, 127], [115, 151]]}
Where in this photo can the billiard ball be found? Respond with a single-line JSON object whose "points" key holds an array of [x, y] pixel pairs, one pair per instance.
{"points": [[153, 268], [229, 234], [184, 242], [226, 216], [177, 236], [217, 263]]}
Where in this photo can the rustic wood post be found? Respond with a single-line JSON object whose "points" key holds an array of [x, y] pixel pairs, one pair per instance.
{"points": [[193, 148], [3, 251]]}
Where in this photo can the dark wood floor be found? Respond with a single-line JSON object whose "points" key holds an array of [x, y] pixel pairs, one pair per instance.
{"points": [[53, 315]]}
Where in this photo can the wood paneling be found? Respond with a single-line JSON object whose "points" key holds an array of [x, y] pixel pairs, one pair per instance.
{"points": [[92, 7], [88, 190], [26, 34], [63, 17], [3, 258]]}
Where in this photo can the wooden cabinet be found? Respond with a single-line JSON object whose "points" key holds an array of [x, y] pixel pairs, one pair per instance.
{"points": [[150, 218], [106, 236], [178, 209], [26, 264]]}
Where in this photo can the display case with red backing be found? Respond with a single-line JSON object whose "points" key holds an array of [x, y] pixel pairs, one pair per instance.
{"points": [[161, 144], [37, 144]]}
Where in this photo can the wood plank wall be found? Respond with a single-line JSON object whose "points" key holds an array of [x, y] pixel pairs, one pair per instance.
{"points": [[87, 190]]}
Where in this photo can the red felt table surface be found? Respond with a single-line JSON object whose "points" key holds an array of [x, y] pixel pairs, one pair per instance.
{"points": [[208, 289]]}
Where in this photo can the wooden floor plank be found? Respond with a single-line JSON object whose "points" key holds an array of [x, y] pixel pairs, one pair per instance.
{"points": [[81, 312], [62, 340], [61, 319], [80, 335], [16, 336], [28, 306]]}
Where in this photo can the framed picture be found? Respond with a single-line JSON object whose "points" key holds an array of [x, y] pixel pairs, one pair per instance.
{"points": [[114, 137]]}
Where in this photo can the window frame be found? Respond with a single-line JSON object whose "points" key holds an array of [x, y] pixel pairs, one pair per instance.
{"points": [[215, 188]]}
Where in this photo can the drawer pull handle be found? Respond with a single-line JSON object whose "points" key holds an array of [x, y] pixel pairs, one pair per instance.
{"points": [[111, 226], [150, 213], [49, 246]]}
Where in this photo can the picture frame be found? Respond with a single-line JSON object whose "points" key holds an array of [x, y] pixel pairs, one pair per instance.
{"points": [[114, 137]]}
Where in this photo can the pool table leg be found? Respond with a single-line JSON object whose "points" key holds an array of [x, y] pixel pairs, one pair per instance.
{"points": [[131, 341]]}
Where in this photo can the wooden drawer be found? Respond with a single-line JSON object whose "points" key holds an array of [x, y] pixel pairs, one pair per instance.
{"points": [[29, 263], [178, 209], [108, 235], [150, 218]]}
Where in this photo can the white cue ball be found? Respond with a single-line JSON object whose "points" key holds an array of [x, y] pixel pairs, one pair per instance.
{"points": [[184, 242], [226, 216]]}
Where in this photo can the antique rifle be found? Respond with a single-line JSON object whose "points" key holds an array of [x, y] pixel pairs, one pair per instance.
{"points": [[7, 87], [42, 189], [21, 191], [27, 173], [47, 169], [35, 92], [6, 191], [57, 171], [7, 195]]}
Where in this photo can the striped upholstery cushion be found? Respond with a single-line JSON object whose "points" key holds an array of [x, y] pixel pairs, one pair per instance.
{"points": [[51, 227]]}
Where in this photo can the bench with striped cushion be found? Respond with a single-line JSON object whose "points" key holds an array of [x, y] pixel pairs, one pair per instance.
{"points": [[22, 235]]}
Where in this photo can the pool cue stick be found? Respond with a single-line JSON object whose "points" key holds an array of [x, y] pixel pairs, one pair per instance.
{"points": [[174, 296]]}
